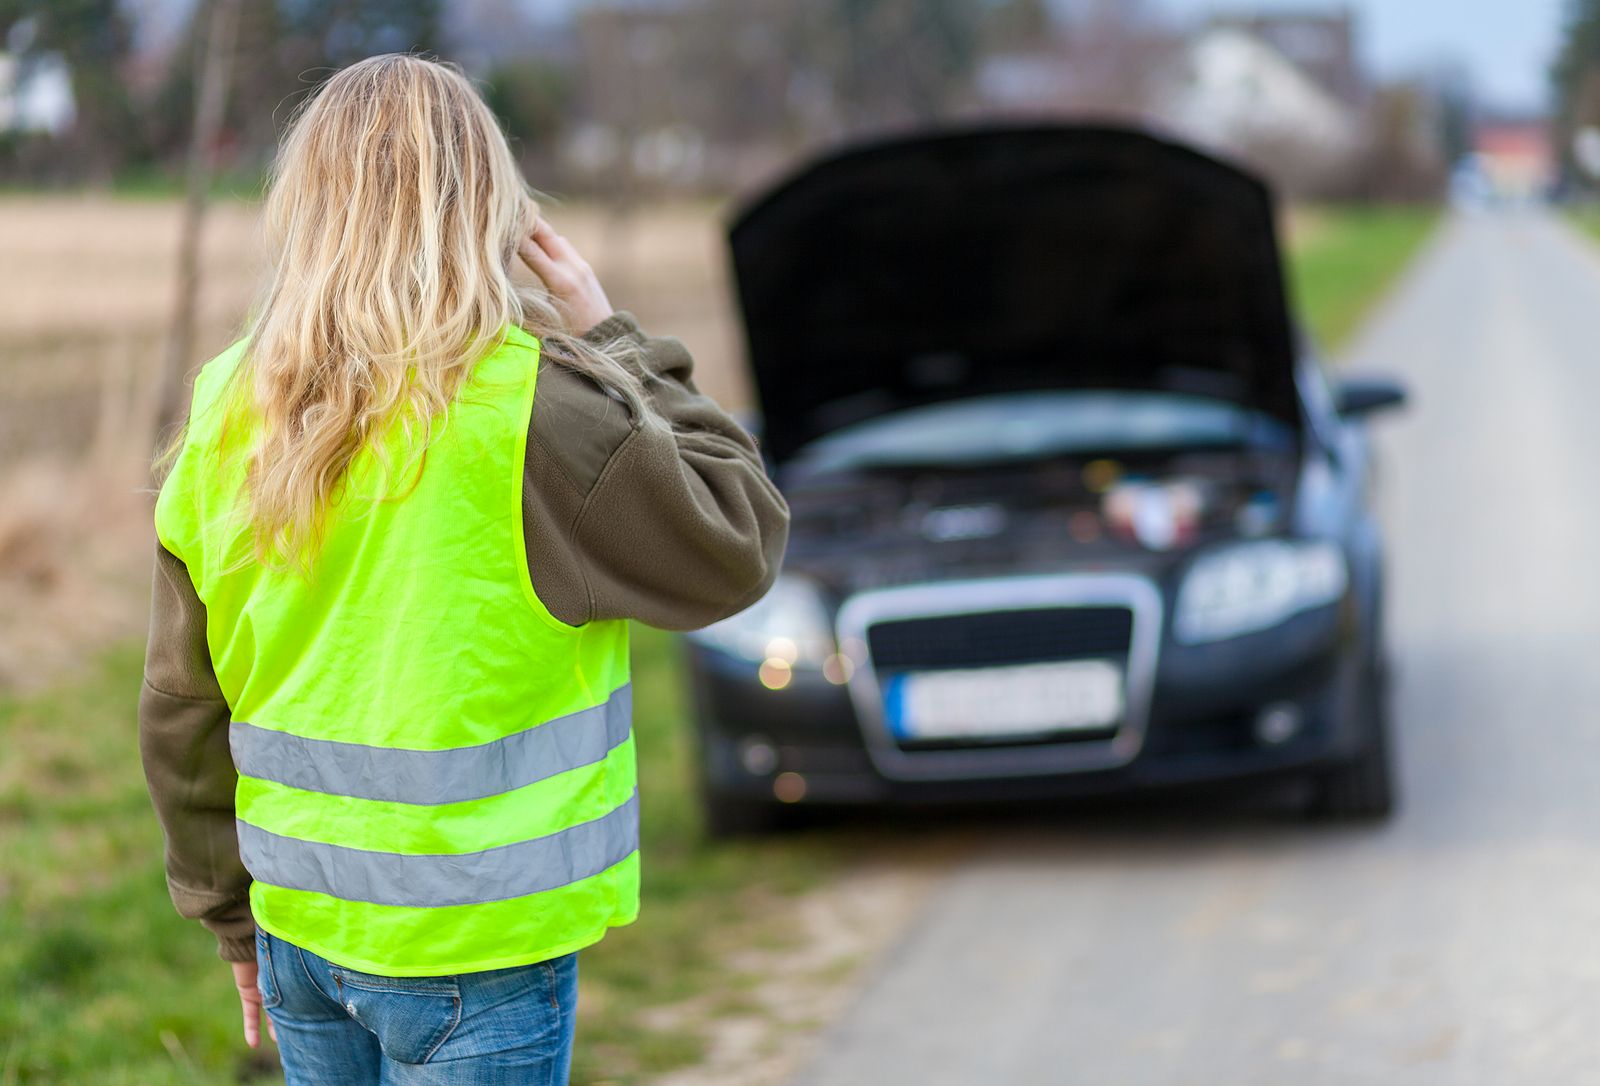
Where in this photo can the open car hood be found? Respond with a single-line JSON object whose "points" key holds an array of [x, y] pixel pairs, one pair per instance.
{"points": [[988, 260]]}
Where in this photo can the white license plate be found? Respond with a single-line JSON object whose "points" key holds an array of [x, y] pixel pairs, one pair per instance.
{"points": [[1069, 695]]}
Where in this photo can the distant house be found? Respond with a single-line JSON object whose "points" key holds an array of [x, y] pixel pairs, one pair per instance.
{"points": [[1320, 44], [1285, 92], [36, 94], [1514, 157], [1285, 89], [1241, 92]]}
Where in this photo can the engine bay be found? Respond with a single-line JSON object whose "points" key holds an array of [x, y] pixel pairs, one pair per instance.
{"points": [[890, 525]]}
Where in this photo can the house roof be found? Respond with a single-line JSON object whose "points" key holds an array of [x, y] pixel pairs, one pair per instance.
{"points": [[1321, 44]]}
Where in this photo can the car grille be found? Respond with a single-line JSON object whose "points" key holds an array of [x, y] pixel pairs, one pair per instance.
{"points": [[996, 638], [1001, 622]]}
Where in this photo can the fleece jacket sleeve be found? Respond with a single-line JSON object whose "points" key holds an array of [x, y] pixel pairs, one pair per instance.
{"points": [[666, 515], [183, 742]]}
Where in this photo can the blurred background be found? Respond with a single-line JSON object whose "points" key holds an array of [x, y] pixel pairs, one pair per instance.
{"points": [[1414, 144]]}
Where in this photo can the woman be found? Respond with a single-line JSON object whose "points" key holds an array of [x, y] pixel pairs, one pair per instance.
{"points": [[385, 717]]}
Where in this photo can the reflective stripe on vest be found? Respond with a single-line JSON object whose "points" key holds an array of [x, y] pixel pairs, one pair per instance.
{"points": [[391, 878], [436, 775]]}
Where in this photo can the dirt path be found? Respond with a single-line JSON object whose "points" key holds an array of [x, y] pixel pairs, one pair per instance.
{"points": [[839, 932]]}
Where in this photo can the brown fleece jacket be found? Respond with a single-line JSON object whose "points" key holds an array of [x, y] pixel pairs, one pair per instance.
{"points": [[665, 517]]}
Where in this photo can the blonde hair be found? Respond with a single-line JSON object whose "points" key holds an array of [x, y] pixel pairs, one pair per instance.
{"points": [[393, 216]]}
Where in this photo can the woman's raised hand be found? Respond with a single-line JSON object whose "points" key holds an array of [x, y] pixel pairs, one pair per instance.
{"points": [[566, 275]]}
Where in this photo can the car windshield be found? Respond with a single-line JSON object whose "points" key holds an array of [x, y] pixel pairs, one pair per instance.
{"points": [[1035, 425]]}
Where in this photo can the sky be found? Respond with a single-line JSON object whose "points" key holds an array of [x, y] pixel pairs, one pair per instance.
{"points": [[1507, 45]]}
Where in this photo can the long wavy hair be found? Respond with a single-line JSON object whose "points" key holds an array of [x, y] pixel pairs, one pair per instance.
{"points": [[392, 219]]}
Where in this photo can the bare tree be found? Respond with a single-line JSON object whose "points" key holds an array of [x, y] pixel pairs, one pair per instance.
{"points": [[213, 49]]}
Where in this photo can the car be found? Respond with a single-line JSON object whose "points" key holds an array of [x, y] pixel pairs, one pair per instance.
{"points": [[1075, 510]]}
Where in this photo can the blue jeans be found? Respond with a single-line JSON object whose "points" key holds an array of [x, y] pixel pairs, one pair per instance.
{"points": [[341, 1027]]}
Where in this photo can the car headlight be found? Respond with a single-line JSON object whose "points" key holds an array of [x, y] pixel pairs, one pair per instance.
{"points": [[788, 625], [1253, 586]]}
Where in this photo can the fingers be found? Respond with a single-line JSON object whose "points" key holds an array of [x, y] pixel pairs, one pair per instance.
{"points": [[565, 274], [562, 276], [272, 1030], [559, 247], [559, 278], [244, 981], [534, 253], [555, 246], [540, 243], [252, 1021]]}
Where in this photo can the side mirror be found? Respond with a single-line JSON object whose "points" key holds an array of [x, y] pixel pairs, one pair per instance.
{"points": [[1361, 396]]}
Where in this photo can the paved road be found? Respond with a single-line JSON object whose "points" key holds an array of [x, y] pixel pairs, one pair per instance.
{"points": [[1456, 945]]}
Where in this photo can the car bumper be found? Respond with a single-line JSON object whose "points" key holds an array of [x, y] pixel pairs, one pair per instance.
{"points": [[805, 742]]}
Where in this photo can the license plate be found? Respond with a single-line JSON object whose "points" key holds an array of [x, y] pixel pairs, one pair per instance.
{"points": [[1024, 699]]}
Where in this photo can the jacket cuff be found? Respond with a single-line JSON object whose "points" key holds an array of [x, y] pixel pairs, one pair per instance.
{"points": [[235, 931], [619, 325], [237, 949], [236, 942]]}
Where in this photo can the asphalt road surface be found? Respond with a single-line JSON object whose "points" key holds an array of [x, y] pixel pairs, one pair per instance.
{"points": [[1458, 943]]}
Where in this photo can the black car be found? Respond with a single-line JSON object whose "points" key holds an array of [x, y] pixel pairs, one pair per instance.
{"points": [[1074, 510]]}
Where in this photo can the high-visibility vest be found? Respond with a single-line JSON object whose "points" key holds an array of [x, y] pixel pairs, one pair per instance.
{"points": [[436, 775]]}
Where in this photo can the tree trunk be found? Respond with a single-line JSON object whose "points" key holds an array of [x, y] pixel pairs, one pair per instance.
{"points": [[213, 47]]}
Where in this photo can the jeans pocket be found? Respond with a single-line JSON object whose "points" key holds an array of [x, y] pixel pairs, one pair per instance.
{"points": [[519, 1017], [411, 1016], [266, 979]]}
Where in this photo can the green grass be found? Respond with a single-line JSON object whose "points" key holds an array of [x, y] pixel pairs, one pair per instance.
{"points": [[1586, 217], [1350, 259], [100, 981]]}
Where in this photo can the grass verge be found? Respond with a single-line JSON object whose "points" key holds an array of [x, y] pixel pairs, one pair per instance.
{"points": [[1349, 261], [1586, 217], [101, 982]]}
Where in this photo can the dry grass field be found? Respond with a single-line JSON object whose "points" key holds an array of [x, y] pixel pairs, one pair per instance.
{"points": [[86, 294]]}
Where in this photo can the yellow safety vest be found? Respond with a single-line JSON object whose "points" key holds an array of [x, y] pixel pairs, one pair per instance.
{"points": [[436, 775]]}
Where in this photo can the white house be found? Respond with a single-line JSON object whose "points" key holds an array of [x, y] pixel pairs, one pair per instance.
{"points": [[1234, 89], [36, 95]]}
